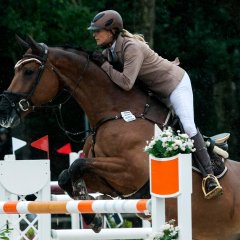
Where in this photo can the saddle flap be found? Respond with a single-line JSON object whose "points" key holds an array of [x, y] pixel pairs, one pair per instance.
{"points": [[220, 138]]}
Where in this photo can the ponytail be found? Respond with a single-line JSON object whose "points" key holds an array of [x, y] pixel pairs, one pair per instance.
{"points": [[126, 33]]}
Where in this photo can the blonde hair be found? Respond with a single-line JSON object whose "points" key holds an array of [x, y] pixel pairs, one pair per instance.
{"points": [[126, 33]]}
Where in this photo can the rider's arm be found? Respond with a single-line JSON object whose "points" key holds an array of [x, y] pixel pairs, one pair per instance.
{"points": [[133, 58]]}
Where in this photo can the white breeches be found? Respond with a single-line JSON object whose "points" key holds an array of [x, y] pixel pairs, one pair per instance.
{"points": [[181, 100]]}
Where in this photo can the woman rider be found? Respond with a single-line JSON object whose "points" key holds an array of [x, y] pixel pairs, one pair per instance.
{"points": [[140, 63]]}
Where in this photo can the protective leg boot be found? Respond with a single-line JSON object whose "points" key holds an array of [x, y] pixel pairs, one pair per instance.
{"points": [[210, 185], [64, 182]]}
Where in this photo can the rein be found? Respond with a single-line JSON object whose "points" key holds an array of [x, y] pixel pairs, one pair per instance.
{"points": [[60, 122]]}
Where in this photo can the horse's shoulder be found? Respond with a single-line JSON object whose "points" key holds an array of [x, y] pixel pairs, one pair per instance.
{"points": [[233, 167]]}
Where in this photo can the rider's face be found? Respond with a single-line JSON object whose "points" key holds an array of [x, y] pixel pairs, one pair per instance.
{"points": [[103, 37]]}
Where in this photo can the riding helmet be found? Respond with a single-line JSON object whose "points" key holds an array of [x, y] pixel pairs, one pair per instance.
{"points": [[109, 20]]}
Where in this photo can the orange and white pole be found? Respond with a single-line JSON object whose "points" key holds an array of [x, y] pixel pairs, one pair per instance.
{"points": [[81, 206]]}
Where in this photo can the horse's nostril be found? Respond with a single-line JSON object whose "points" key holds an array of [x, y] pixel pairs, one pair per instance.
{"points": [[9, 116], [4, 106], [8, 100]]}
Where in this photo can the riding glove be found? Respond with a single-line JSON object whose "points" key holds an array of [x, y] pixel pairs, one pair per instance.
{"points": [[98, 58]]}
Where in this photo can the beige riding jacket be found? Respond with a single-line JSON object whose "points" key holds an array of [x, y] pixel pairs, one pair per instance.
{"points": [[142, 63]]}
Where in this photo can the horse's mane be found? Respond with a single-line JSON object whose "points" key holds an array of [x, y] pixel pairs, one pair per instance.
{"points": [[75, 49], [80, 50]]}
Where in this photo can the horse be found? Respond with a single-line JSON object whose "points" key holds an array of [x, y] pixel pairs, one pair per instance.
{"points": [[115, 163]]}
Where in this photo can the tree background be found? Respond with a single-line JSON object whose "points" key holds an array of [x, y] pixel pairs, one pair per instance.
{"points": [[203, 34]]}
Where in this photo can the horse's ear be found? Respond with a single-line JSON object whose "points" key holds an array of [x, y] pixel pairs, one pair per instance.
{"points": [[22, 43], [36, 47]]}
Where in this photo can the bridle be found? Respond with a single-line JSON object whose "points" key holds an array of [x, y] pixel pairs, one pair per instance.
{"points": [[24, 104], [21, 102]]}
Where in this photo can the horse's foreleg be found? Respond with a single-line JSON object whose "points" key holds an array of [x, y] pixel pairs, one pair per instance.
{"points": [[64, 182], [96, 180], [78, 191], [110, 175], [75, 187]]}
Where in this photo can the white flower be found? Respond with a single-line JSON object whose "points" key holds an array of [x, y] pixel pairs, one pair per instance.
{"points": [[175, 147], [183, 135], [164, 139], [168, 143], [164, 145], [166, 226], [169, 134], [155, 236], [168, 231], [183, 148], [178, 142], [173, 233], [151, 144], [177, 228]]}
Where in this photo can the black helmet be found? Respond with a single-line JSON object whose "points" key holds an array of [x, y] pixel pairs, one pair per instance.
{"points": [[109, 20]]}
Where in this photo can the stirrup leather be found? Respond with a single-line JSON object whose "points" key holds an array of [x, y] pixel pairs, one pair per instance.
{"points": [[213, 193]]}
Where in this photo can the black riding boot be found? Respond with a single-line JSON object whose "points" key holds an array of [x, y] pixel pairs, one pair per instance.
{"points": [[210, 185]]}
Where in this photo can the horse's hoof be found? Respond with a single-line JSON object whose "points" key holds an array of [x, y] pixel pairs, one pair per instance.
{"points": [[97, 223]]}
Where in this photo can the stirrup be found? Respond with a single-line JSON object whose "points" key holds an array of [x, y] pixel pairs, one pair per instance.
{"points": [[217, 191]]}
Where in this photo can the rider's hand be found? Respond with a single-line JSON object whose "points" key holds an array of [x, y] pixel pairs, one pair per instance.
{"points": [[98, 58]]}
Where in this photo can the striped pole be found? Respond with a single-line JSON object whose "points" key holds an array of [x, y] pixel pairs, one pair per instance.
{"points": [[81, 206]]}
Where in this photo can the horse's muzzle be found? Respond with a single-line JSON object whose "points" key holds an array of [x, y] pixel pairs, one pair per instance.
{"points": [[9, 116]]}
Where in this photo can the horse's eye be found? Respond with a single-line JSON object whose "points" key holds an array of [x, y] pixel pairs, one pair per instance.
{"points": [[28, 72]]}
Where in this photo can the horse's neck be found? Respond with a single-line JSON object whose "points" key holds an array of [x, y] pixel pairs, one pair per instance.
{"points": [[91, 87], [100, 97]]}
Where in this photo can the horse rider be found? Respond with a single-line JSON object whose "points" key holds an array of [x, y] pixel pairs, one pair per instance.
{"points": [[167, 80]]}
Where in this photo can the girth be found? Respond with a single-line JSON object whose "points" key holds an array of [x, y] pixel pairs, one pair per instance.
{"points": [[93, 131], [142, 193]]}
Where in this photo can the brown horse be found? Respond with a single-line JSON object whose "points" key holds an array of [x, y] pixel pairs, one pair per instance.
{"points": [[115, 162]]}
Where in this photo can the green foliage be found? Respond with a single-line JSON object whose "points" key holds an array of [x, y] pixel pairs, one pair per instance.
{"points": [[4, 233], [54, 22], [30, 233], [127, 224]]}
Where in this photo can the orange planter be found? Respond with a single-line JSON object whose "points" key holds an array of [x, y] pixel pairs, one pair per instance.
{"points": [[164, 176]]}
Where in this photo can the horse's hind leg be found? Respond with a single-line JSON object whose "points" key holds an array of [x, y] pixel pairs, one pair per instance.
{"points": [[78, 191]]}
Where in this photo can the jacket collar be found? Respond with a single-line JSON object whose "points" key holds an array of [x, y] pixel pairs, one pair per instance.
{"points": [[119, 43], [118, 46]]}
